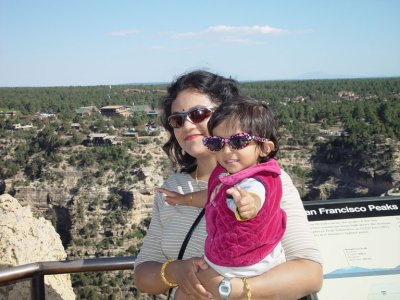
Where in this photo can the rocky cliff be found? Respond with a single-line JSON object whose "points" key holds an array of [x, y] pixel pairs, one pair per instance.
{"points": [[25, 239]]}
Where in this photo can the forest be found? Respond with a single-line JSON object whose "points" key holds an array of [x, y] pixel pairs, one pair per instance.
{"points": [[364, 112]]}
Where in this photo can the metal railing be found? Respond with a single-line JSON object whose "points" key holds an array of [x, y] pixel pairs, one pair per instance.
{"points": [[36, 271]]}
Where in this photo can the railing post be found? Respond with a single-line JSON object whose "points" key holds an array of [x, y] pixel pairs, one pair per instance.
{"points": [[37, 287]]}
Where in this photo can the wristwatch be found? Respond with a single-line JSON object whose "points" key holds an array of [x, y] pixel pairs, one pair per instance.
{"points": [[225, 288]]}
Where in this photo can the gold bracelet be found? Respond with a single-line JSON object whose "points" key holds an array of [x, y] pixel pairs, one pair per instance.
{"points": [[190, 199], [246, 287], [162, 273]]}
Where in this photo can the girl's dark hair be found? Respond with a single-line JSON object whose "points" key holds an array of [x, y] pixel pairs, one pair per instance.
{"points": [[252, 116], [218, 88]]}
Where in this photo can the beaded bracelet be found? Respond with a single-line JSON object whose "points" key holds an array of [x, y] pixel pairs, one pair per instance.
{"points": [[246, 287], [162, 273]]}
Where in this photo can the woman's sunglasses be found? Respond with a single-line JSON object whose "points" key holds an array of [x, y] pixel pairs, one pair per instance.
{"points": [[236, 142], [194, 115]]}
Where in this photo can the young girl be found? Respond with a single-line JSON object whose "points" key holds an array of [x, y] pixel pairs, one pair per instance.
{"points": [[244, 220]]}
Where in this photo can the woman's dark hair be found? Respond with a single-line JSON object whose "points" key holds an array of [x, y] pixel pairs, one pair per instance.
{"points": [[218, 88], [252, 116]]}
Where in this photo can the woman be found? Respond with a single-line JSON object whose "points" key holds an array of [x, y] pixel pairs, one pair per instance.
{"points": [[185, 113]]}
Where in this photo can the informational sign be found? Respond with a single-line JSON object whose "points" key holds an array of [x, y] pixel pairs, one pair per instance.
{"points": [[360, 244]]}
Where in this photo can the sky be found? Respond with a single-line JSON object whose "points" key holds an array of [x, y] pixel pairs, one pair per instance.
{"points": [[104, 42]]}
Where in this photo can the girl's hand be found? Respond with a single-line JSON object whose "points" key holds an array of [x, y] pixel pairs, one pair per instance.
{"points": [[248, 204], [186, 276], [172, 198]]}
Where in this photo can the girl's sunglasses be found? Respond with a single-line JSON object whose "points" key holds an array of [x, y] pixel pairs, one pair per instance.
{"points": [[194, 115], [236, 142]]}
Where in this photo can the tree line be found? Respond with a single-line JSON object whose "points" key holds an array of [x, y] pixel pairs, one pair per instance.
{"points": [[367, 111]]}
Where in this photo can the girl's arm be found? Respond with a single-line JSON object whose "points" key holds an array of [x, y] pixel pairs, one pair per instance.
{"points": [[195, 199]]}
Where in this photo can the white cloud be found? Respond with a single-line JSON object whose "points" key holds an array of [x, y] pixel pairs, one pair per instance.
{"points": [[242, 41], [244, 30], [225, 31], [124, 32]]}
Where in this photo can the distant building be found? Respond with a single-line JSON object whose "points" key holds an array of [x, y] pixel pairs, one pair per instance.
{"points": [[10, 113], [348, 95], [76, 126], [299, 99], [131, 132], [115, 110], [133, 91], [42, 115], [151, 127], [22, 127], [327, 133], [100, 139], [153, 113]]}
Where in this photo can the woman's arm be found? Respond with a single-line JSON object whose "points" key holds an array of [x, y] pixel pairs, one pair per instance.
{"points": [[148, 279], [167, 230], [148, 263], [291, 280]]}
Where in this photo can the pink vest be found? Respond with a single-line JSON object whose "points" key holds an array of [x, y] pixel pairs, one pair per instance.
{"points": [[232, 243]]}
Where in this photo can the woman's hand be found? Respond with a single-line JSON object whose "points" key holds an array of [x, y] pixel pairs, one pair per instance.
{"points": [[184, 272]]}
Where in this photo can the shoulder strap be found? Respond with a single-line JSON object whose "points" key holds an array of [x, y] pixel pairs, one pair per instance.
{"points": [[189, 234], [187, 238]]}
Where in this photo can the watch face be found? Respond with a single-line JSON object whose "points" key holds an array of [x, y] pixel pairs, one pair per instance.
{"points": [[225, 289]]}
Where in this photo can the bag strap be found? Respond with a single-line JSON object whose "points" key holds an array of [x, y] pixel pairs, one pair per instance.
{"points": [[186, 240], [189, 234]]}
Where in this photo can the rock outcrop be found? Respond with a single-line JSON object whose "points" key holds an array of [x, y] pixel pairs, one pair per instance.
{"points": [[25, 239]]}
